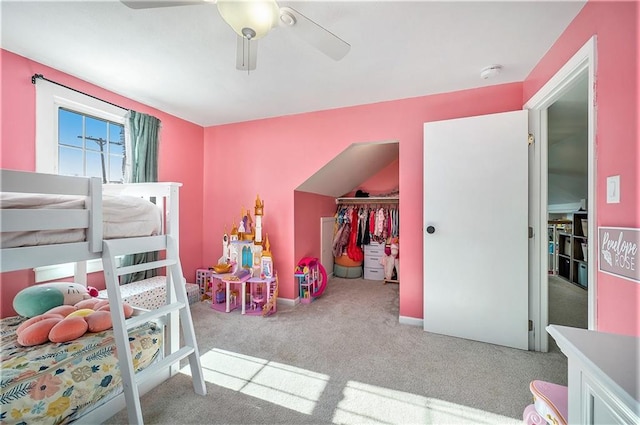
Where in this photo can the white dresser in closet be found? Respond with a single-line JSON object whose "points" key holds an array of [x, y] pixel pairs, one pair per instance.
{"points": [[373, 253]]}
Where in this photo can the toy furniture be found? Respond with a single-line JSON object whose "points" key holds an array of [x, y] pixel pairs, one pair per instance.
{"points": [[312, 279], [228, 280], [203, 280], [549, 404], [263, 293], [272, 300]]}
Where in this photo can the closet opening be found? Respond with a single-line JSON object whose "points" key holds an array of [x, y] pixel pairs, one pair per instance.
{"points": [[568, 215], [359, 186]]}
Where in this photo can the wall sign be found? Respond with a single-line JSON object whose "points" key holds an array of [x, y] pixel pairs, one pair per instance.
{"points": [[618, 250]]}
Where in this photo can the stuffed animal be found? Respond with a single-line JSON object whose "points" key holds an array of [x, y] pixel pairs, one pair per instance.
{"points": [[67, 322], [38, 299]]}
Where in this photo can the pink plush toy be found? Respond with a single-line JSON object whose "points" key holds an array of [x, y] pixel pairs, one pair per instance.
{"points": [[68, 322]]}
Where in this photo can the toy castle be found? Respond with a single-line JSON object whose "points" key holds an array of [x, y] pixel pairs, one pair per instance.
{"points": [[245, 245]]}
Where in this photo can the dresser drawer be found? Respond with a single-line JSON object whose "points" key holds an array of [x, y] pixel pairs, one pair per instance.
{"points": [[374, 250], [373, 273], [373, 261]]}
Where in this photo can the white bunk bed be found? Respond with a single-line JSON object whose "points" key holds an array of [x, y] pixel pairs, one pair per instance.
{"points": [[93, 244]]}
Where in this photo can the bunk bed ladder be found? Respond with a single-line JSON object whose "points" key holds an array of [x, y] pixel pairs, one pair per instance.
{"points": [[177, 302]]}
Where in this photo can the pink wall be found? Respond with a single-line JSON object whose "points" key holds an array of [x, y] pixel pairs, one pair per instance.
{"points": [[180, 155], [251, 157], [308, 208], [617, 148]]}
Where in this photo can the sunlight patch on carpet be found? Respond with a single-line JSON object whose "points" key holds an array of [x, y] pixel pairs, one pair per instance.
{"points": [[363, 403], [287, 386]]}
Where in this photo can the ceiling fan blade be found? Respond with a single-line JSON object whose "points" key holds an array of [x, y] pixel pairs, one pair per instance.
{"points": [[246, 54], [150, 4], [319, 37]]}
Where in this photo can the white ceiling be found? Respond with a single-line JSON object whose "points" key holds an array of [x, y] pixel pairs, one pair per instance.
{"points": [[181, 60]]}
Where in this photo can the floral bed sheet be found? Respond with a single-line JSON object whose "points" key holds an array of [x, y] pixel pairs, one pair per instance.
{"points": [[57, 383]]}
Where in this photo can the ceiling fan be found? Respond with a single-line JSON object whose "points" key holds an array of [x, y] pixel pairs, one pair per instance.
{"points": [[253, 19]]}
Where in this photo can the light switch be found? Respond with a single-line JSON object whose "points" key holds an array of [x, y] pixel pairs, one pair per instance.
{"points": [[613, 190]]}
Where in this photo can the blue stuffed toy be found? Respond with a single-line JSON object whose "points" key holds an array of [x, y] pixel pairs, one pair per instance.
{"points": [[39, 299]]}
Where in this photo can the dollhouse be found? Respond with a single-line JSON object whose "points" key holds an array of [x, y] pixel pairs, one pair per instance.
{"points": [[312, 279], [244, 246], [248, 253]]}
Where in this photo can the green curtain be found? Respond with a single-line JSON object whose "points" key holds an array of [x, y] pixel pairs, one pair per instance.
{"points": [[141, 140]]}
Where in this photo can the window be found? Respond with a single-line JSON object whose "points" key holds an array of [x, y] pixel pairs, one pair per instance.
{"points": [[90, 146], [80, 136]]}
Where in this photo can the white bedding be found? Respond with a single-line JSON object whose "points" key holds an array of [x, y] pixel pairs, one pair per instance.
{"points": [[123, 217]]}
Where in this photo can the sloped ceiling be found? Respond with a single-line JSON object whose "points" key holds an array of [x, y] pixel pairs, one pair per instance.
{"points": [[350, 168]]}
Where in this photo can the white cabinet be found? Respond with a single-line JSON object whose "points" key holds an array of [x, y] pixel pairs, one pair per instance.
{"points": [[602, 375], [373, 253]]}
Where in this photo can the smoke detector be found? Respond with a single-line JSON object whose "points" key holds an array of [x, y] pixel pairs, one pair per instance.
{"points": [[490, 71]]}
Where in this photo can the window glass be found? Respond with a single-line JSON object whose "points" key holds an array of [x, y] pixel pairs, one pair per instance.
{"points": [[95, 134], [90, 146], [69, 128], [71, 161], [96, 166]]}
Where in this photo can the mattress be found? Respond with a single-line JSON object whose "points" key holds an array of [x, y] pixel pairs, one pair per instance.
{"points": [[150, 293], [57, 383], [123, 217]]}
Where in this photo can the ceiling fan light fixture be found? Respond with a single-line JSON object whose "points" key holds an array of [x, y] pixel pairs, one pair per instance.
{"points": [[258, 16]]}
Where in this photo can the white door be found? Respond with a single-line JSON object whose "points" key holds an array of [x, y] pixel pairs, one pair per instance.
{"points": [[475, 228], [326, 243]]}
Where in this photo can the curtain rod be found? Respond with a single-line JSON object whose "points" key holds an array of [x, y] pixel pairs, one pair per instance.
{"points": [[34, 77]]}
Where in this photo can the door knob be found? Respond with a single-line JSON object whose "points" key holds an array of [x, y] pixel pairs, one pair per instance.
{"points": [[430, 229]]}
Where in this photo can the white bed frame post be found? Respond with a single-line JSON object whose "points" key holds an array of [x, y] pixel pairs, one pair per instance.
{"points": [[172, 220]]}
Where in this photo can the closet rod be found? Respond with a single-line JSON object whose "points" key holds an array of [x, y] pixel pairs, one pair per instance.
{"points": [[369, 200]]}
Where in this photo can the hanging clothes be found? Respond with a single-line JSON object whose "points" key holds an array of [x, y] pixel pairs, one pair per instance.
{"points": [[363, 223], [353, 249]]}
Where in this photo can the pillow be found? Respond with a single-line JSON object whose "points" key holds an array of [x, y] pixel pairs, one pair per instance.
{"points": [[38, 333], [38, 299], [68, 329], [58, 328]]}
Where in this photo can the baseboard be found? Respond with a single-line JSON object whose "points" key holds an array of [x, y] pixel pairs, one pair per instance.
{"points": [[288, 302], [412, 321]]}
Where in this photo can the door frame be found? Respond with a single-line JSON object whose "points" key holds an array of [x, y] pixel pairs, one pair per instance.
{"points": [[583, 60], [326, 221]]}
